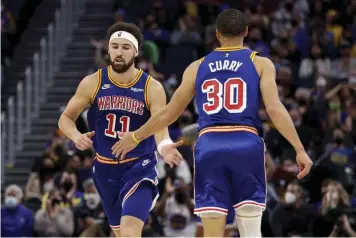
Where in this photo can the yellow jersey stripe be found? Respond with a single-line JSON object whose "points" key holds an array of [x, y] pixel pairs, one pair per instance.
{"points": [[228, 129], [123, 85], [230, 48], [105, 160], [146, 92], [97, 87], [252, 56], [201, 60]]}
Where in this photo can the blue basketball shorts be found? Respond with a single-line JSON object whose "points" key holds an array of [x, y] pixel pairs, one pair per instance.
{"points": [[229, 170], [126, 189]]}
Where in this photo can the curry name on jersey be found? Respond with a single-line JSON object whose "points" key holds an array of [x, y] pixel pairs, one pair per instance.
{"points": [[119, 108], [228, 89]]}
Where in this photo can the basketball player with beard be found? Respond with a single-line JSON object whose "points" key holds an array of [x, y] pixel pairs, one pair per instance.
{"points": [[121, 98]]}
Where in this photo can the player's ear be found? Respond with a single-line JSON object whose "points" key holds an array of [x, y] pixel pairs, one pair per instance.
{"points": [[246, 31], [218, 35]]}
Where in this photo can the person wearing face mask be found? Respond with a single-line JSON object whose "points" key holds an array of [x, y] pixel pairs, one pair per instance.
{"points": [[16, 219], [92, 203], [89, 216], [294, 216], [341, 154]]}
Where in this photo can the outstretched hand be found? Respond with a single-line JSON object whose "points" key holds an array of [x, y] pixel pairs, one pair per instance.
{"points": [[171, 155]]}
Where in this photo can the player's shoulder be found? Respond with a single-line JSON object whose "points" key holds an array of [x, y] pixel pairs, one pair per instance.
{"points": [[91, 80], [89, 85], [154, 84], [263, 61], [262, 64], [194, 66]]}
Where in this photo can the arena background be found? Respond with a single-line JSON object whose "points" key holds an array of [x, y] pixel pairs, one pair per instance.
{"points": [[48, 46]]}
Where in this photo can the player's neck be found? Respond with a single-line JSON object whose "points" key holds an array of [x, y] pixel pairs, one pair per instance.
{"points": [[232, 43], [125, 77]]}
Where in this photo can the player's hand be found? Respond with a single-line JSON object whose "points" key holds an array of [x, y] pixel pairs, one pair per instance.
{"points": [[171, 155], [83, 141], [124, 145], [304, 164]]}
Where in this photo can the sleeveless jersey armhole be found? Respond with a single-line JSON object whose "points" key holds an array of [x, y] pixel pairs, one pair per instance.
{"points": [[146, 92], [92, 98], [200, 61], [253, 54]]}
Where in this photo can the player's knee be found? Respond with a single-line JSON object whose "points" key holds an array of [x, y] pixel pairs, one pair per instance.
{"points": [[249, 211], [131, 226], [129, 232], [211, 215]]}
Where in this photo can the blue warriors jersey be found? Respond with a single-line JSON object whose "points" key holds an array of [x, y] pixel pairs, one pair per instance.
{"points": [[228, 89], [119, 108]]}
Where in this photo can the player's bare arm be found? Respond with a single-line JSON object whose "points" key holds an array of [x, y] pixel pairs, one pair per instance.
{"points": [[74, 108], [278, 113], [167, 115], [156, 101]]}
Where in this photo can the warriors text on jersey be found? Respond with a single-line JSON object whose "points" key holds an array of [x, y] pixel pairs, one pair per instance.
{"points": [[119, 108], [228, 89]]}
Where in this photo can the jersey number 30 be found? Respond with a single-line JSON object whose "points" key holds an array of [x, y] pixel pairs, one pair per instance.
{"points": [[231, 95], [110, 130]]}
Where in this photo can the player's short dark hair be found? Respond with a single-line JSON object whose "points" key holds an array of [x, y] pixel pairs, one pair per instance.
{"points": [[129, 27], [231, 23]]}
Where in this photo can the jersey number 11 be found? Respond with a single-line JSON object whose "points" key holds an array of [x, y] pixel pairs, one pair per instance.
{"points": [[110, 130]]}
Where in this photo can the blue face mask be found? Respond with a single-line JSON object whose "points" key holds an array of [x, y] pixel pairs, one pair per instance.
{"points": [[11, 201]]}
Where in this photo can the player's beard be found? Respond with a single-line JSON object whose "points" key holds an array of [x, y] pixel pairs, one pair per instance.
{"points": [[122, 66]]}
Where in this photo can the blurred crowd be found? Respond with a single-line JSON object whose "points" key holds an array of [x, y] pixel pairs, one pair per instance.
{"points": [[311, 43], [8, 29]]}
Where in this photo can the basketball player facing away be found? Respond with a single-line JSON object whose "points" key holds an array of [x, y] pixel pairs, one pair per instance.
{"points": [[121, 98], [229, 154]]}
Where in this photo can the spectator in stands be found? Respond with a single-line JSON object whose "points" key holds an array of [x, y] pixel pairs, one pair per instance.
{"points": [[147, 230], [293, 218], [256, 42], [187, 32], [88, 226], [153, 32], [102, 58], [40, 183], [176, 208], [335, 218], [68, 186], [91, 213], [8, 28], [85, 171], [54, 220], [16, 219], [181, 171]]}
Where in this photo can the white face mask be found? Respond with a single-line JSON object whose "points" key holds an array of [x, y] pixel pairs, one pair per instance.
{"points": [[11, 201], [92, 200], [48, 186], [290, 197]]}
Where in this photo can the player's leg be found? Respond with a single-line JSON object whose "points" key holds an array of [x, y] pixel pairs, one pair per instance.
{"points": [[137, 205], [229, 227], [249, 218], [211, 186], [249, 185], [138, 194], [106, 179]]}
